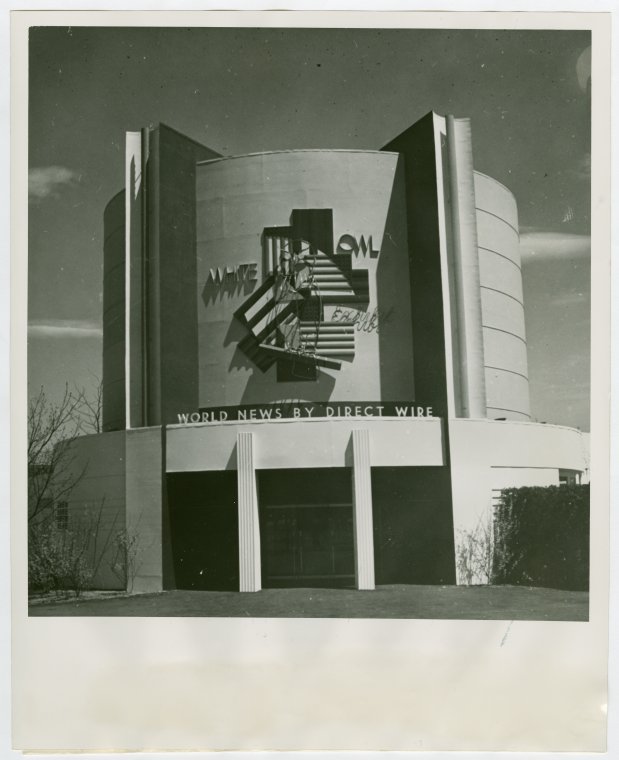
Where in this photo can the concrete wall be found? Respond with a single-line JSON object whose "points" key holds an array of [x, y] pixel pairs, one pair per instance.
{"points": [[121, 488], [144, 495], [172, 308], [487, 456], [311, 443], [420, 149], [451, 210], [505, 350], [97, 503], [236, 199], [114, 314], [160, 350]]}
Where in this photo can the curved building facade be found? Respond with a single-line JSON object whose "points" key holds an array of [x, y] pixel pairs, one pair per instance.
{"points": [[244, 209], [505, 346], [315, 366]]}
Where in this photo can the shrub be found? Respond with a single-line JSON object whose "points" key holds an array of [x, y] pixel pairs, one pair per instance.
{"points": [[474, 554], [62, 558], [125, 563], [56, 560], [541, 537]]}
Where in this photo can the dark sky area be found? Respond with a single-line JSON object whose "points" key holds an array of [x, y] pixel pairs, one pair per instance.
{"points": [[245, 90]]}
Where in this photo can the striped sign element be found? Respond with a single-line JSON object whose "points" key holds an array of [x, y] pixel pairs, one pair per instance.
{"points": [[285, 315]]}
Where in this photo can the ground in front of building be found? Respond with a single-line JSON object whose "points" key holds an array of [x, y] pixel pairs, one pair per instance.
{"points": [[394, 601]]}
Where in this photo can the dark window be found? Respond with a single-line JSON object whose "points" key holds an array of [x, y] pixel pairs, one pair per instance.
{"points": [[569, 477]]}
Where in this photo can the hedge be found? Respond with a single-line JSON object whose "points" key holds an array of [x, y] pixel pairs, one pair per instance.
{"points": [[541, 537]]}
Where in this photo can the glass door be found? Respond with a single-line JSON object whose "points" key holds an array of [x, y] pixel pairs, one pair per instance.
{"points": [[307, 545]]}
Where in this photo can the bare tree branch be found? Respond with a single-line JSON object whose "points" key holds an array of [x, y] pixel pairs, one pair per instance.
{"points": [[52, 474], [89, 407]]}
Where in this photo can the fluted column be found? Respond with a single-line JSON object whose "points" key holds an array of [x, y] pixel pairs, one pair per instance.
{"points": [[362, 510], [249, 527]]}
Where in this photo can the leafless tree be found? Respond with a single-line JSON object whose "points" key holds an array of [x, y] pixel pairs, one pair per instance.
{"points": [[51, 427], [126, 562], [89, 407], [60, 556]]}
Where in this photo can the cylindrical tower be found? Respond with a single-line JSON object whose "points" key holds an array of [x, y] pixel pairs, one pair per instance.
{"points": [[505, 347]]}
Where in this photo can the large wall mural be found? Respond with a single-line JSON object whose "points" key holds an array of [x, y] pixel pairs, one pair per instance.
{"points": [[285, 316]]}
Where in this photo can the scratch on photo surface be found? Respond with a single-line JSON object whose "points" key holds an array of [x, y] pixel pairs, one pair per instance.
{"points": [[506, 633]]}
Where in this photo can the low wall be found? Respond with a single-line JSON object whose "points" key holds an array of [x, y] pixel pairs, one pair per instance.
{"points": [[120, 492], [97, 502]]}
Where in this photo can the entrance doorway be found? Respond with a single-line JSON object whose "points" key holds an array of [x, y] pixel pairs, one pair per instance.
{"points": [[204, 530], [413, 525], [306, 528]]}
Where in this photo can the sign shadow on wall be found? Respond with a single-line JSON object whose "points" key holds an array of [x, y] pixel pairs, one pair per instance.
{"points": [[236, 333], [229, 282], [262, 388]]}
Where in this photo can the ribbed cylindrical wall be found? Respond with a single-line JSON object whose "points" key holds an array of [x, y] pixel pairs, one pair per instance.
{"points": [[113, 400], [505, 348]]}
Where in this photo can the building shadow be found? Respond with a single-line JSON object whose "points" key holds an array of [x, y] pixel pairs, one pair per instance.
{"points": [[263, 388], [395, 338]]}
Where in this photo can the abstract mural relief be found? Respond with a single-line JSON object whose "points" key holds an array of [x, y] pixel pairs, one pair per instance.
{"points": [[285, 316]]}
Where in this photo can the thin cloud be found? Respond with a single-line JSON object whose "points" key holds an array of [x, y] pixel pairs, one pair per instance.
{"points": [[65, 328], [47, 181], [554, 245]]}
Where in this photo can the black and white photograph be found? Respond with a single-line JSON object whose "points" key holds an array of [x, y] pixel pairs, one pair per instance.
{"points": [[309, 315], [309, 338]]}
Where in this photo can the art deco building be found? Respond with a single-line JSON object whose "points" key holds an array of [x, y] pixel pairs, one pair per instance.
{"points": [[314, 363]]}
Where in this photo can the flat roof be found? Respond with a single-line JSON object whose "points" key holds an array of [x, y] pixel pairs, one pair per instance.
{"points": [[298, 150]]}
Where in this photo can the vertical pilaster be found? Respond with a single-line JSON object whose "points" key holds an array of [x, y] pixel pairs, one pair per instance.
{"points": [[470, 365], [136, 275], [133, 279], [362, 511], [249, 527]]}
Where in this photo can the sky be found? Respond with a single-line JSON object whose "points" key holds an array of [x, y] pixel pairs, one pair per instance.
{"points": [[527, 94]]}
